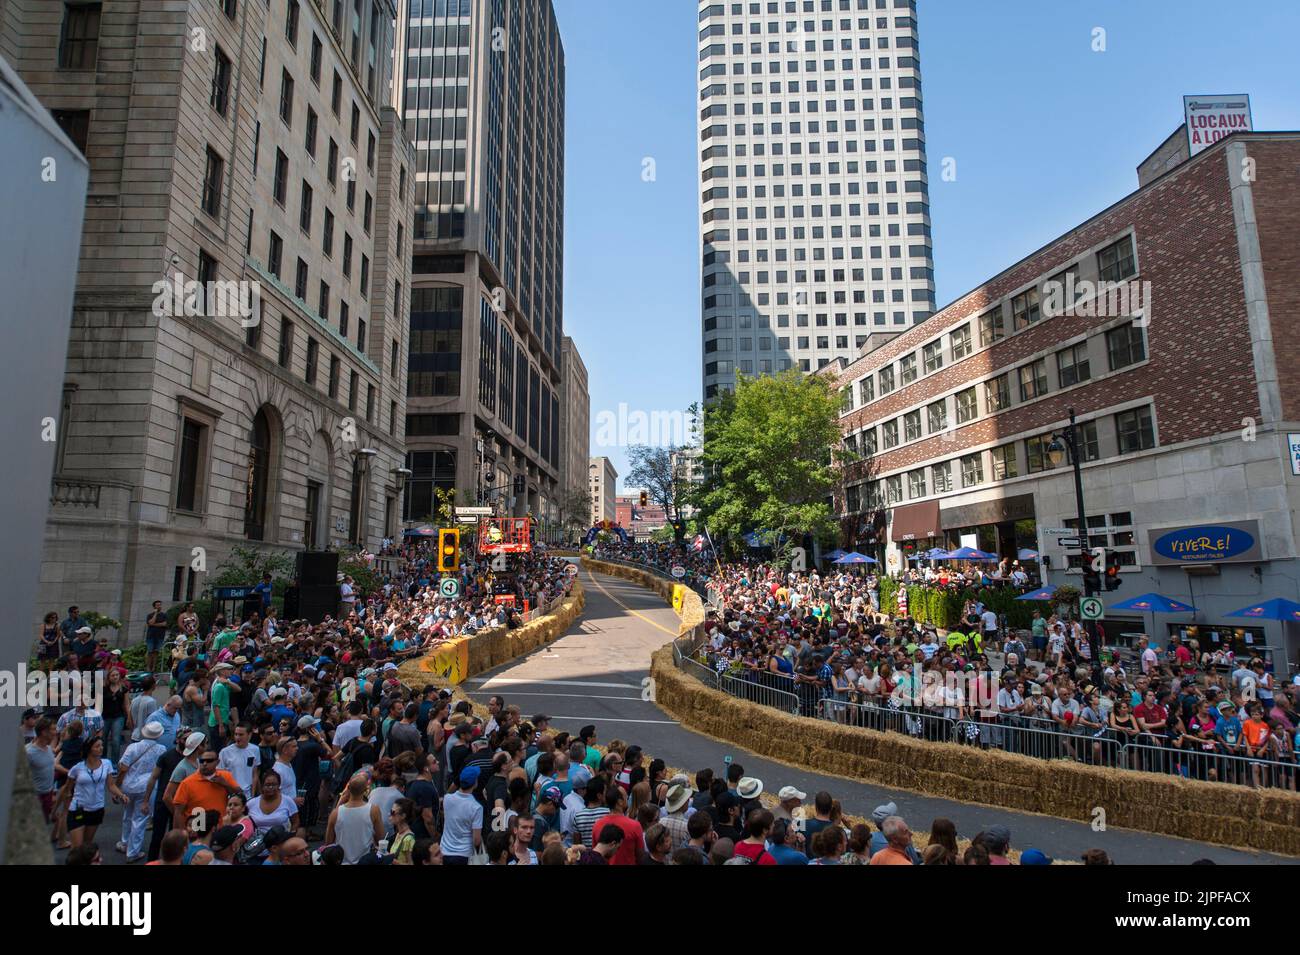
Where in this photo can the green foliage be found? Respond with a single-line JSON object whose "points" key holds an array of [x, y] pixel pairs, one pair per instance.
{"points": [[768, 457], [942, 607], [204, 608], [98, 621], [364, 578], [134, 657], [245, 565]]}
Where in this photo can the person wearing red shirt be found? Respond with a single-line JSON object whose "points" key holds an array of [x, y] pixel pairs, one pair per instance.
{"points": [[633, 843], [1152, 717], [754, 846]]}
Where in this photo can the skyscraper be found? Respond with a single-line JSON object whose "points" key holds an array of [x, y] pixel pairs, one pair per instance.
{"points": [[482, 94], [814, 211]]}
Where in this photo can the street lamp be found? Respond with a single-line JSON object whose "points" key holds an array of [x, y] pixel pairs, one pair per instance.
{"points": [[1063, 442]]}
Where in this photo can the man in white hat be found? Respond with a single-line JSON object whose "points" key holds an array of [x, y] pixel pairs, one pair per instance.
{"points": [[748, 789], [133, 772], [677, 810], [788, 800]]}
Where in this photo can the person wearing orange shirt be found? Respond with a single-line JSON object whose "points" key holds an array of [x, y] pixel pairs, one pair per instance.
{"points": [[897, 838], [1254, 734], [209, 788]]}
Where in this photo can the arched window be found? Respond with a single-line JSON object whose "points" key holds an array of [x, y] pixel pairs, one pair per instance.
{"points": [[259, 470]]}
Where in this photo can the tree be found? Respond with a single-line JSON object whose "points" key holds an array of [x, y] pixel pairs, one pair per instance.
{"points": [[772, 458], [575, 510], [652, 468]]}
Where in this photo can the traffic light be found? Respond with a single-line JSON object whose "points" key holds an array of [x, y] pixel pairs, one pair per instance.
{"points": [[645, 499], [449, 550], [1113, 580], [1091, 581]]}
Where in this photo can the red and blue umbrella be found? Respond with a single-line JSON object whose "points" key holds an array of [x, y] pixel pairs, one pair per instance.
{"points": [[1042, 593], [1154, 603]]}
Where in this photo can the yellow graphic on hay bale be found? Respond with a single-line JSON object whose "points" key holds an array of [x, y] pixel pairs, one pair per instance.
{"points": [[679, 597], [450, 661]]}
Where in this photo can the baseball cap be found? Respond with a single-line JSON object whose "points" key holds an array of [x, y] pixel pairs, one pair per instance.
{"points": [[550, 794], [469, 776], [225, 837], [307, 722], [881, 813], [789, 792], [193, 742], [1035, 857]]}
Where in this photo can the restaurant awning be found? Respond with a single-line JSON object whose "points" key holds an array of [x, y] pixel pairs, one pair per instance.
{"points": [[915, 521]]}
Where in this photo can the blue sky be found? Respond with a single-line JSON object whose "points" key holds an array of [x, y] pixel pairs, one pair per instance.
{"points": [[1045, 133]]}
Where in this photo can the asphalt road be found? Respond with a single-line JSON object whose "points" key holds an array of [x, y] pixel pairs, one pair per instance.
{"points": [[596, 673]]}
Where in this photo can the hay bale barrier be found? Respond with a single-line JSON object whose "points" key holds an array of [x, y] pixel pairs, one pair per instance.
{"points": [[1220, 813], [498, 645]]}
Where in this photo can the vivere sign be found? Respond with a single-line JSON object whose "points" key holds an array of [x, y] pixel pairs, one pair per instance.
{"points": [[1224, 542]]}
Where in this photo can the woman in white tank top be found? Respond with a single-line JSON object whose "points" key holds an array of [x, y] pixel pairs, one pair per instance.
{"points": [[355, 824]]}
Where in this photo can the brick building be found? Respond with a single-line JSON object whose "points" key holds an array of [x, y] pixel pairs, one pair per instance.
{"points": [[1182, 374]]}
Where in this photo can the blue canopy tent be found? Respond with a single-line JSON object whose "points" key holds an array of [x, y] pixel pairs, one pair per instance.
{"points": [[1026, 553], [834, 555], [969, 553], [424, 530], [1042, 593], [1153, 604], [855, 558]]}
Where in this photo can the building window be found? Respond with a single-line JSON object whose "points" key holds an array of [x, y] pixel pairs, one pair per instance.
{"points": [[869, 441], [932, 355], [1033, 379], [997, 393], [889, 434], [1024, 309], [365, 277], [336, 95], [79, 43], [280, 184], [1125, 346], [274, 255], [368, 209], [960, 342], [1116, 262], [207, 274], [912, 425], [370, 402], [916, 483], [866, 390], [361, 335], [259, 477], [316, 50], [332, 167], [286, 98], [1036, 453], [886, 380], [220, 96], [355, 129], [291, 23], [941, 477], [335, 368], [1004, 462], [967, 405], [211, 202], [230, 7], [253, 334], [324, 310], [300, 281], [190, 465], [992, 327], [937, 416], [304, 209], [343, 319], [972, 470], [894, 489], [907, 369], [1086, 435], [352, 390], [313, 352], [75, 123], [327, 235], [286, 342], [1072, 364], [310, 141], [1135, 430]]}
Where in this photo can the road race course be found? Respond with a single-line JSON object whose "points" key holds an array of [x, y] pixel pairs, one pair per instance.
{"points": [[598, 672]]}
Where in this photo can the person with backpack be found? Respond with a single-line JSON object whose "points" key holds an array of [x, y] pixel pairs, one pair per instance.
{"points": [[758, 826]]}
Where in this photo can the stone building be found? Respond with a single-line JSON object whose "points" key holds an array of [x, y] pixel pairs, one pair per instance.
{"points": [[246, 147]]}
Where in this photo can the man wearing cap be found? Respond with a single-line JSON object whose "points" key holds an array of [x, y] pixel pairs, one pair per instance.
{"points": [[133, 777], [547, 814], [1035, 857], [279, 709], [220, 716], [462, 829], [159, 783], [788, 800], [574, 803], [225, 844], [675, 815]]}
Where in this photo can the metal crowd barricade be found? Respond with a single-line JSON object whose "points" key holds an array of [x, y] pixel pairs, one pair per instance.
{"points": [[1028, 736], [1209, 766], [755, 689], [911, 721]]}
